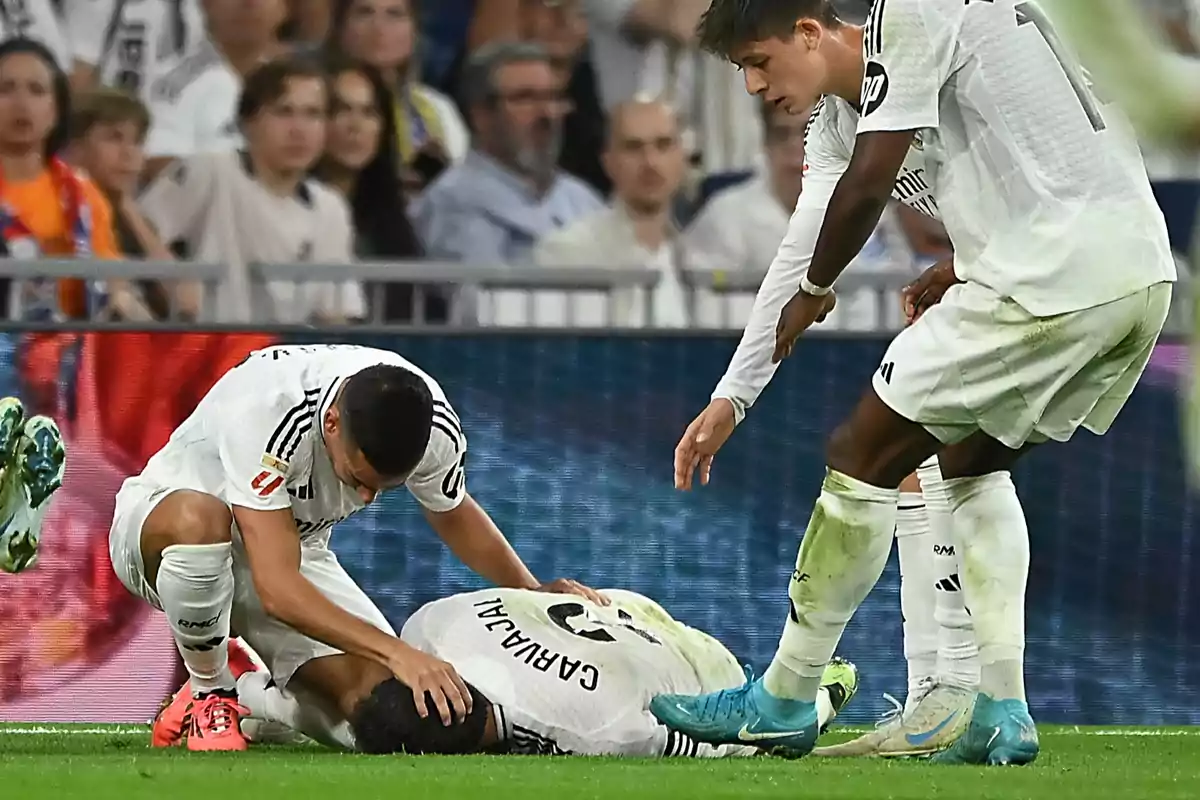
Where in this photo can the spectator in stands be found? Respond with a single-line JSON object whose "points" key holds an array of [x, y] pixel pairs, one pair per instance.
{"points": [[108, 129], [258, 206], [640, 47], [646, 47], [361, 161], [383, 33], [131, 46], [46, 208], [193, 107], [646, 161], [740, 228], [509, 192], [40, 20], [560, 27]]}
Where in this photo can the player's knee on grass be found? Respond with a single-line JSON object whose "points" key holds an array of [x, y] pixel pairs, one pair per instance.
{"points": [[386, 721]]}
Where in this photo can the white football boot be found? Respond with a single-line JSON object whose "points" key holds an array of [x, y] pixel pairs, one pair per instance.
{"points": [[937, 717]]}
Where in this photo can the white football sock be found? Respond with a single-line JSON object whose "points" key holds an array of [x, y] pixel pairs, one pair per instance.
{"points": [[917, 591], [195, 587], [992, 542], [299, 710], [958, 653], [843, 553]]}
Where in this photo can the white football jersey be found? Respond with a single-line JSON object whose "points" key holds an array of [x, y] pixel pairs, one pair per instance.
{"points": [[1041, 187], [134, 43], [40, 20], [828, 146], [255, 439], [584, 674]]}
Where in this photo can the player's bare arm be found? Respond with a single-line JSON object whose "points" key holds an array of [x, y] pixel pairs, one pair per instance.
{"points": [[854, 210], [474, 538], [272, 545]]}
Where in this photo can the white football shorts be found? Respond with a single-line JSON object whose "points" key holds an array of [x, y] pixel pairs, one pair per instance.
{"points": [[283, 648], [978, 361]]}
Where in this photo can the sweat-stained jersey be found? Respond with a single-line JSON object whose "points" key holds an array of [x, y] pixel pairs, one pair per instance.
{"points": [[255, 439]]}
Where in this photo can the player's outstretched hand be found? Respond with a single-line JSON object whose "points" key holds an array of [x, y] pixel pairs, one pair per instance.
{"points": [[927, 290], [802, 312], [423, 673], [568, 586], [701, 441]]}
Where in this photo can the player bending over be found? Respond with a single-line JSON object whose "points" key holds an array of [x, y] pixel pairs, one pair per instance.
{"points": [[561, 675], [1065, 285], [32, 461], [230, 522], [939, 638]]}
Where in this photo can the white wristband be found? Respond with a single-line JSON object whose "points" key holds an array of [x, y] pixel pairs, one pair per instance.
{"points": [[808, 287]]}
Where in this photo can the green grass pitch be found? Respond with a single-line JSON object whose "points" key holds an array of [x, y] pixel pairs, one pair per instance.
{"points": [[95, 762]]}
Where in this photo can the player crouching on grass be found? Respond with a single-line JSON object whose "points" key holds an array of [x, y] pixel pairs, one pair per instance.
{"points": [[551, 675], [32, 461], [228, 527]]}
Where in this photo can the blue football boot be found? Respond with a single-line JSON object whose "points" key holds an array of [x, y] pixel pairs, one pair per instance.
{"points": [[1001, 732]]}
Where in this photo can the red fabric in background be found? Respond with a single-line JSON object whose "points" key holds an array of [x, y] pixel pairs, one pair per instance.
{"points": [[75, 635]]}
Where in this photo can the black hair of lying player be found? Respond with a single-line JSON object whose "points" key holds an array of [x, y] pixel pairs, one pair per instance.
{"points": [[387, 412], [386, 721]]}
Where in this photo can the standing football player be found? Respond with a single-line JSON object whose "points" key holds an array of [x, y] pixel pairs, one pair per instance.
{"points": [[561, 675], [939, 639], [1060, 286], [32, 461], [230, 523]]}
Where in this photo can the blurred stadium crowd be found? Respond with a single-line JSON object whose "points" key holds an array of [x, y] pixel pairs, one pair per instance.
{"points": [[551, 134]]}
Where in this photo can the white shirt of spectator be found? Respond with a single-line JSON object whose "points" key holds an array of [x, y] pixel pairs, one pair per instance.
{"points": [[255, 440], [194, 106], [606, 239], [39, 20], [214, 205], [739, 230], [134, 43], [1042, 191]]}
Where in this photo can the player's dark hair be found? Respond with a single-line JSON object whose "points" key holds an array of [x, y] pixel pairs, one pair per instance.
{"points": [[387, 412], [729, 24], [386, 721]]}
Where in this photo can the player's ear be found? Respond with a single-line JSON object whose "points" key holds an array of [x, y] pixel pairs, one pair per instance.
{"points": [[808, 32], [332, 422]]}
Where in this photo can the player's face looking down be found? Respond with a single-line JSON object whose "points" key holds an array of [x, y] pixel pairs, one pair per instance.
{"points": [[794, 72], [349, 464]]}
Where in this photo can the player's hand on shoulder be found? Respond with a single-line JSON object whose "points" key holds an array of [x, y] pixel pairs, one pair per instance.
{"points": [[928, 289], [701, 441], [568, 586], [423, 673]]}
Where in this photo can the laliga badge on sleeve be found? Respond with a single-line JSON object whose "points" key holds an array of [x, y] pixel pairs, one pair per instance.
{"points": [[271, 462]]}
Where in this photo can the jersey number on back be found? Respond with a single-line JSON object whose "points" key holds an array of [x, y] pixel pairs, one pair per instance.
{"points": [[564, 614], [1030, 13]]}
